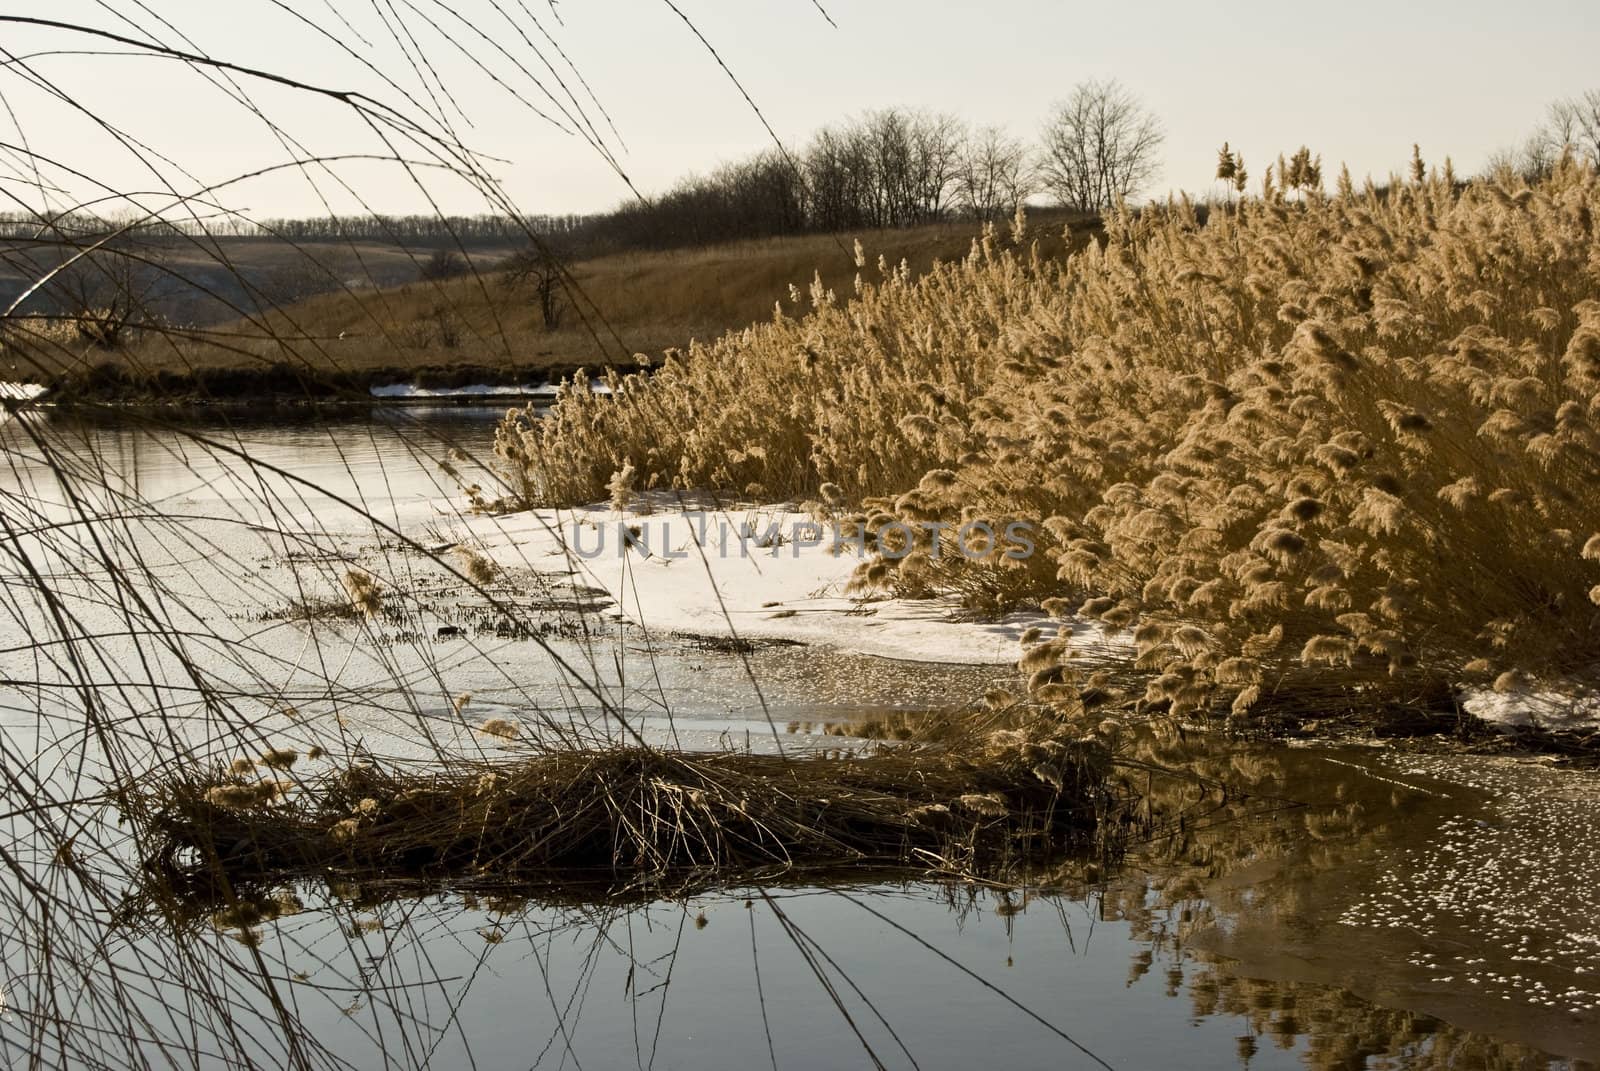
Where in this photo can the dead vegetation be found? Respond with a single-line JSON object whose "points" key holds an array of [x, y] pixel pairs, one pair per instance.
{"points": [[629, 818], [1348, 436]]}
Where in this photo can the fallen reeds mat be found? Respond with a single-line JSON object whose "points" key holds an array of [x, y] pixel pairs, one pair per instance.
{"points": [[630, 817]]}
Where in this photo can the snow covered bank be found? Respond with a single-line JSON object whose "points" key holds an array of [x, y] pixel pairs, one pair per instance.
{"points": [[1574, 710], [767, 573], [476, 390], [17, 392], [755, 574], [403, 391]]}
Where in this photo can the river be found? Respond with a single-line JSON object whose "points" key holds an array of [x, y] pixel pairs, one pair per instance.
{"points": [[1325, 907]]}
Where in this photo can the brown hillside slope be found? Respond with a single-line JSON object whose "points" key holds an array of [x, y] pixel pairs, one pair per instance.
{"points": [[480, 328]]}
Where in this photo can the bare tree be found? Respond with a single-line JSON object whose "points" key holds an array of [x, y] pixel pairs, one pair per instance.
{"points": [[992, 174], [442, 264], [935, 163], [1100, 144], [1574, 123], [1571, 125], [1531, 161], [911, 158], [837, 177], [539, 270]]}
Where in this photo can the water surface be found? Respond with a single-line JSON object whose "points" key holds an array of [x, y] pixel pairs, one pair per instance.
{"points": [[1300, 906]]}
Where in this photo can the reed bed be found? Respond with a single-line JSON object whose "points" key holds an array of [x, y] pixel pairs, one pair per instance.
{"points": [[626, 818], [1352, 433]]}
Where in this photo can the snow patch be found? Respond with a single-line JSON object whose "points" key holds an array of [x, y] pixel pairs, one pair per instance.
{"points": [[717, 572], [1577, 708], [17, 392], [477, 390]]}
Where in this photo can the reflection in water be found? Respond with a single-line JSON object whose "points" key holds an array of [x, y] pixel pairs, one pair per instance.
{"points": [[160, 454], [1297, 908], [1259, 853], [1282, 892]]}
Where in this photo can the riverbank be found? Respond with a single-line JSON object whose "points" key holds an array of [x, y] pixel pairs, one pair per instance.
{"points": [[290, 384], [746, 573]]}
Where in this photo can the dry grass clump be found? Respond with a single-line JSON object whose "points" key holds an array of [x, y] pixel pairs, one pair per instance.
{"points": [[627, 817], [366, 594], [1356, 433], [501, 727], [479, 568]]}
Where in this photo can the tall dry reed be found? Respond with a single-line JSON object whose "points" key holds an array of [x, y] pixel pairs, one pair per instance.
{"points": [[1351, 432]]}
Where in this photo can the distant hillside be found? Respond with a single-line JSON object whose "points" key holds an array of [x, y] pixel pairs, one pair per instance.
{"points": [[208, 281], [481, 327]]}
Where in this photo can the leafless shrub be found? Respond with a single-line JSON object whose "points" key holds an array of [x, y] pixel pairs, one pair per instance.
{"points": [[442, 264]]}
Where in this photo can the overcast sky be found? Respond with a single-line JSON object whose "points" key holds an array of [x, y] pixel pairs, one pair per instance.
{"points": [[1358, 82]]}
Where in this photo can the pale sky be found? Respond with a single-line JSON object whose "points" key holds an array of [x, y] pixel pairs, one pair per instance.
{"points": [[1358, 82]]}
